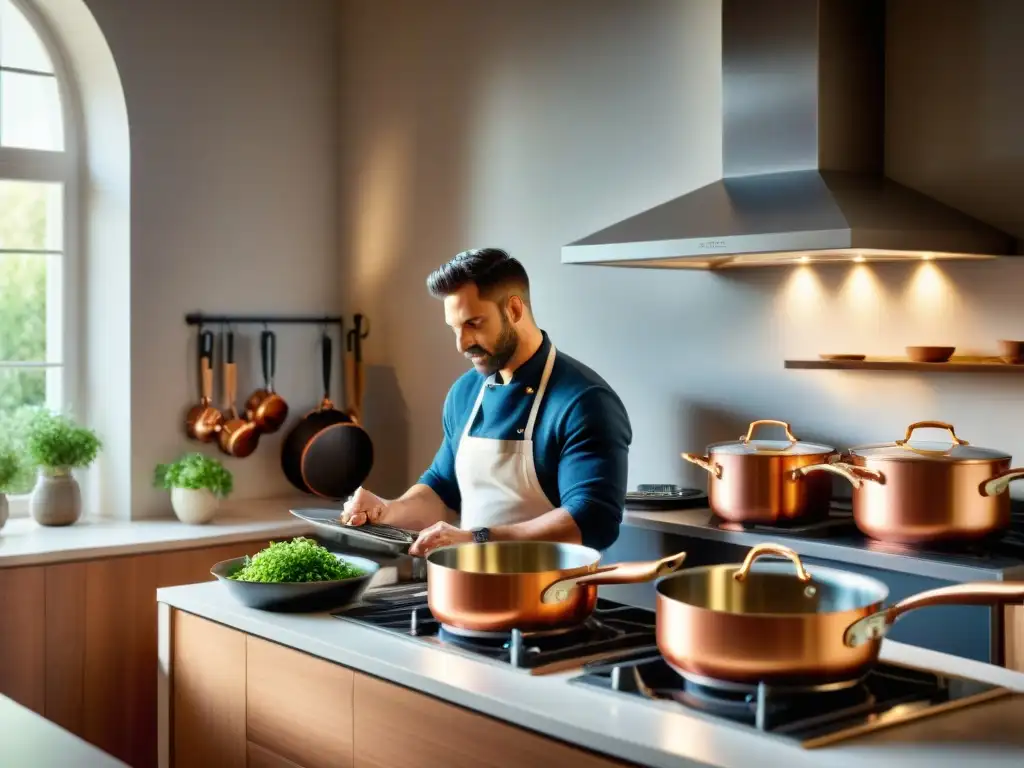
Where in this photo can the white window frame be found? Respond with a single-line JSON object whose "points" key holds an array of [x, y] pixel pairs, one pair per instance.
{"points": [[64, 317]]}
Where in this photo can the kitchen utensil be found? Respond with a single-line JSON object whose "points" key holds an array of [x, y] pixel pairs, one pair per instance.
{"points": [[752, 480], [203, 421], [265, 408], [666, 497], [747, 624], [303, 434], [339, 458], [526, 585], [372, 536], [238, 437], [842, 357], [1011, 352], [297, 597], [930, 354], [910, 491]]}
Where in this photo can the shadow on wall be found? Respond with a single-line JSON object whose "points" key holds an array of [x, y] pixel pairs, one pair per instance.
{"points": [[386, 419]]}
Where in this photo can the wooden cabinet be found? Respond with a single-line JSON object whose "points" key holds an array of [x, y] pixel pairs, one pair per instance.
{"points": [[1013, 615], [84, 653], [398, 727], [239, 700]]}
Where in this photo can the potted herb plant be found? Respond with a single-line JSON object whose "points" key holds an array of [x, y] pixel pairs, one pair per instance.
{"points": [[197, 483], [10, 468], [56, 445]]}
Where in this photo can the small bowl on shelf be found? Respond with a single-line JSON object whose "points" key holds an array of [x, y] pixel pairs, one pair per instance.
{"points": [[850, 358], [1011, 352], [930, 354]]}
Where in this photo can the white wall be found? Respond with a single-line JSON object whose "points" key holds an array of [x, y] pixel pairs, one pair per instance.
{"points": [[526, 125], [232, 110]]}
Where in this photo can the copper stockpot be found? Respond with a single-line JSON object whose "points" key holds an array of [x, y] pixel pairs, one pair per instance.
{"points": [[525, 585], [819, 626], [752, 480], [913, 492]]}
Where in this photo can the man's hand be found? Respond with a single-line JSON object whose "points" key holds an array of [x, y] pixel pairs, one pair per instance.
{"points": [[363, 507], [438, 535]]}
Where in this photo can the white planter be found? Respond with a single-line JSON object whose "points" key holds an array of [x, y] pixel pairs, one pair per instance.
{"points": [[4, 512], [56, 499], [194, 507]]}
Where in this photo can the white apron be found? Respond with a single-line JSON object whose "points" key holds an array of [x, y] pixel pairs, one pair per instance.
{"points": [[498, 478]]}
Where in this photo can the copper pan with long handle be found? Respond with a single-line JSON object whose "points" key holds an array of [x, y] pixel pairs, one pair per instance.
{"points": [[787, 624], [526, 585], [912, 491]]}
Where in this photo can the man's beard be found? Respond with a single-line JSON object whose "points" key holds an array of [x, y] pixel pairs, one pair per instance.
{"points": [[492, 361]]}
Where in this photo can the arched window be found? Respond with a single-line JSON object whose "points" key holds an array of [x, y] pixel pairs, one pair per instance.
{"points": [[38, 210]]}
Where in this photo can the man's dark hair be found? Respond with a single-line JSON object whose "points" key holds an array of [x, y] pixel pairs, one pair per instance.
{"points": [[494, 272]]}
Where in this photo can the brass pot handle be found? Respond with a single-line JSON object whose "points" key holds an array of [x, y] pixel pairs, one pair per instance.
{"points": [[998, 484], [768, 423], [874, 626], [931, 425], [620, 573], [854, 475], [772, 549], [704, 462]]}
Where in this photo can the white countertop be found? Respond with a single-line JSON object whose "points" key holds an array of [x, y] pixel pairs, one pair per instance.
{"points": [[25, 542], [29, 740], [635, 730]]}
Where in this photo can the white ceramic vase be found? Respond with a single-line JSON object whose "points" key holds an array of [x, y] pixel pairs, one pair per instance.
{"points": [[194, 506], [4, 511], [56, 499]]}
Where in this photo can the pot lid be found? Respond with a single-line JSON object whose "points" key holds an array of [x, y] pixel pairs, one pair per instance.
{"points": [[748, 445], [955, 449]]}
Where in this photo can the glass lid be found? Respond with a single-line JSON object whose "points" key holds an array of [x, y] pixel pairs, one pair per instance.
{"points": [[748, 445], [952, 449]]}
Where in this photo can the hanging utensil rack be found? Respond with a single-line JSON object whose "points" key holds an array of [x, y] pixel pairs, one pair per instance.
{"points": [[200, 319]]}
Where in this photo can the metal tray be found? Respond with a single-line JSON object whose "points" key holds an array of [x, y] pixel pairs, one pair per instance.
{"points": [[374, 538]]}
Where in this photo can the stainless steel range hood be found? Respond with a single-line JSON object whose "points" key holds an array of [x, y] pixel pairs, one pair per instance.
{"points": [[803, 149]]}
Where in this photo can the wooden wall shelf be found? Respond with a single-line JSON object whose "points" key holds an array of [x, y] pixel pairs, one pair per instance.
{"points": [[954, 365]]}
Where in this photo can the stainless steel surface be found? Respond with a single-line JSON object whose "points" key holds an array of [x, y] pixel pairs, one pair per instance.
{"points": [[803, 118], [366, 538]]}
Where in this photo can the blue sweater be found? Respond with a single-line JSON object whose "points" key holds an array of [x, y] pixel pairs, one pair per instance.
{"points": [[581, 439]]}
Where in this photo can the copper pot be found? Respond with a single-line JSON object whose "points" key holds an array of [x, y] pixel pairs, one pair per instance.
{"points": [[911, 491], [752, 480], [746, 624], [238, 437], [525, 585], [203, 420], [265, 408]]}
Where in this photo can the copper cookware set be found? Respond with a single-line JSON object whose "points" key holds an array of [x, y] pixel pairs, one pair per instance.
{"points": [[907, 491]]}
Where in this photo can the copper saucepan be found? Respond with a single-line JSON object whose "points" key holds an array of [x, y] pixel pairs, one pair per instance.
{"points": [[238, 437], [525, 585], [910, 491], [204, 420], [752, 480], [743, 624], [265, 408]]}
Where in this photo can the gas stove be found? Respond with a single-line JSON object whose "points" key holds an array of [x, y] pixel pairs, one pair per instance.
{"points": [[810, 716], [612, 630]]}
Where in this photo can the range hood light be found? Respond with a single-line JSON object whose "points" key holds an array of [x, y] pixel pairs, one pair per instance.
{"points": [[805, 259], [803, 159]]}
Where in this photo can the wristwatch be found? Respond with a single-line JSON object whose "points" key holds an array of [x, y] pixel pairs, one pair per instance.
{"points": [[481, 535]]}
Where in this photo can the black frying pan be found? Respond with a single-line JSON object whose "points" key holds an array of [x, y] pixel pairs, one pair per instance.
{"points": [[339, 457], [303, 435]]}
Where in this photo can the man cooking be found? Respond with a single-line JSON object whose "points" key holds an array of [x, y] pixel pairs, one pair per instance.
{"points": [[535, 443]]}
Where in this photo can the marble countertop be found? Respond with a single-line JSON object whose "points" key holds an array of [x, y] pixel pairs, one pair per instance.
{"points": [[645, 733], [30, 740], [24, 542]]}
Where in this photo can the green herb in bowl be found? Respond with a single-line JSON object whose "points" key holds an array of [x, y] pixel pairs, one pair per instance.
{"points": [[298, 560]]}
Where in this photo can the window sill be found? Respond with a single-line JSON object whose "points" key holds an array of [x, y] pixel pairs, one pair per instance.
{"points": [[24, 542]]}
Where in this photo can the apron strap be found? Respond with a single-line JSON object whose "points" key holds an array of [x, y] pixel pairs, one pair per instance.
{"points": [[548, 366], [476, 406]]}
